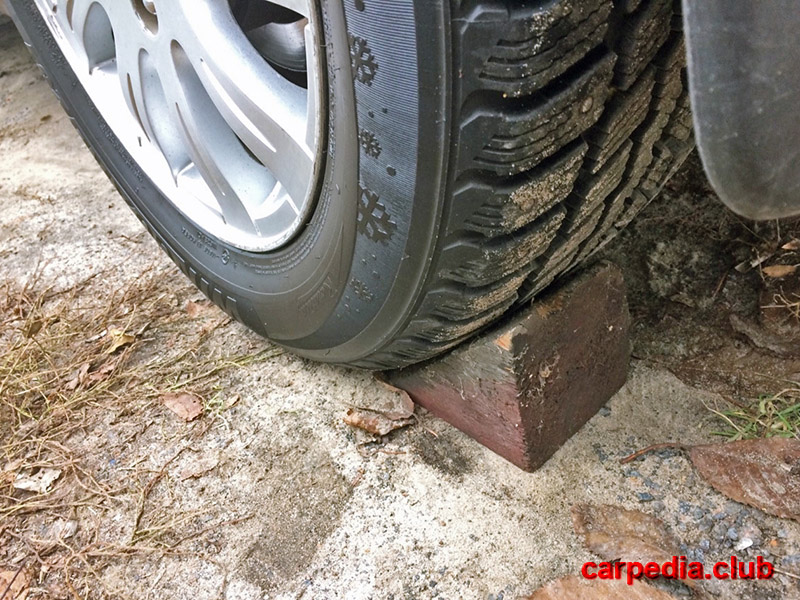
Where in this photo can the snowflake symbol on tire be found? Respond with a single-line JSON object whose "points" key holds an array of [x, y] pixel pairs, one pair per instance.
{"points": [[362, 290], [369, 143], [362, 60], [373, 220]]}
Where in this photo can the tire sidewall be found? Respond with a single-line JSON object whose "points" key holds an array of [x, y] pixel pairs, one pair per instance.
{"points": [[339, 289]]}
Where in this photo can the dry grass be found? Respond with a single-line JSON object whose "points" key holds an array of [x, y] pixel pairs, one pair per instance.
{"points": [[775, 415], [69, 358], [789, 303], [776, 257]]}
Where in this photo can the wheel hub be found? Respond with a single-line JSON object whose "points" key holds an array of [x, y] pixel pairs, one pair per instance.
{"points": [[221, 105]]}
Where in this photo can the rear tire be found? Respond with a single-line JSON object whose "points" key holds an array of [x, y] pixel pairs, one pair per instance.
{"points": [[477, 150]]}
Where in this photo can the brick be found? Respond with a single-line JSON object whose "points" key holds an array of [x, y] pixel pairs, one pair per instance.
{"points": [[526, 386]]}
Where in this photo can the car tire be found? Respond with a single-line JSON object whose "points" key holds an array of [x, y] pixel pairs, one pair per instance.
{"points": [[474, 151]]}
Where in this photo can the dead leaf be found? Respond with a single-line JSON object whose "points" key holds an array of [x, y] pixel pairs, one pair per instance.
{"points": [[747, 265], [614, 533], [119, 339], [79, 377], [13, 466], [39, 482], [63, 529], [374, 422], [85, 376], [15, 584], [60, 529], [199, 308], [764, 473], [94, 338], [578, 588], [101, 373], [402, 406], [187, 406], [792, 245], [386, 413], [778, 271]]}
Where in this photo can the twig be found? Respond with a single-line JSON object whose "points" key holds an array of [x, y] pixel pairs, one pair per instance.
{"points": [[210, 528], [391, 452], [28, 545], [13, 579], [432, 432], [653, 448], [792, 575], [720, 285], [734, 402], [357, 478], [146, 492]]}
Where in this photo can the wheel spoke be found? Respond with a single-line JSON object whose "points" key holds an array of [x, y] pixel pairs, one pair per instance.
{"points": [[214, 150], [76, 16], [265, 111], [87, 19], [285, 154], [130, 60], [233, 210]]}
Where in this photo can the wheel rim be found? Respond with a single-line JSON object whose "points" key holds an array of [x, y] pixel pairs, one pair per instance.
{"points": [[210, 99]]}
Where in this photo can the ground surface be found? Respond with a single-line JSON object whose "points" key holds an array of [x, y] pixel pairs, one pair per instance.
{"points": [[269, 493]]}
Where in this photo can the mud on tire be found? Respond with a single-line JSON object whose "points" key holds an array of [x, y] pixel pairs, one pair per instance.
{"points": [[570, 117]]}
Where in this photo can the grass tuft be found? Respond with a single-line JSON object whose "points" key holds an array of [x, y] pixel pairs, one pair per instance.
{"points": [[776, 415]]}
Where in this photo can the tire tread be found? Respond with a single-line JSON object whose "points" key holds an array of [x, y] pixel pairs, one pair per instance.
{"points": [[570, 117]]}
